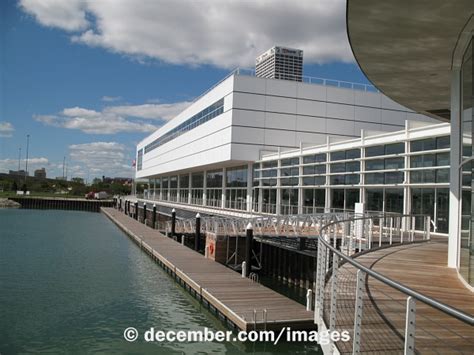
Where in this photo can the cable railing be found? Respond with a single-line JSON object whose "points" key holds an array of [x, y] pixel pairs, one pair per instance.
{"points": [[343, 298]]}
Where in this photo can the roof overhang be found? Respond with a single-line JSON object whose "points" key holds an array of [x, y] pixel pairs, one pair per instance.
{"points": [[406, 48]]}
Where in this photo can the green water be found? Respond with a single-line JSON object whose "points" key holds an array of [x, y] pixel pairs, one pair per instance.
{"points": [[71, 282]]}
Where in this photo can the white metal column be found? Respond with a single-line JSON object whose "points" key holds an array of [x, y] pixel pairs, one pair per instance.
{"points": [[455, 179], [249, 186]]}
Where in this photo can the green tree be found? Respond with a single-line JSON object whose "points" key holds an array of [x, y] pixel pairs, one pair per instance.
{"points": [[14, 186]]}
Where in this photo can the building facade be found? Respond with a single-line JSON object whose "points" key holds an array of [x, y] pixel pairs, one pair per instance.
{"points": [[280, 63], [403, 172], [244, 116], [40, 173]]}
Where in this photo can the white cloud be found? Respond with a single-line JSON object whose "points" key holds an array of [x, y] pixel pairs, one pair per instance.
{"points": [[220, 33], [6, 129], [150, 111], [100, 158], [68, 15], [113, 119], [111, 98], [33, 164]]}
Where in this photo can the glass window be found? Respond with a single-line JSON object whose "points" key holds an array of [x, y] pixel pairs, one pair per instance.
{"points": [[443, 142], [442, 159], [423, 202], [173, 182], [290, 161], [320, 180], [338, 155], [269, 173], [425, 160], [308, 181], [352, 196], [308, 170], [317, 158], [352, 179], [337, 179], [376, 164], [374, 151], [338, 168], [236, 177], [320, 169], [214, 178], [396, 148], [197, 180], [423, 144], [422, 176], [353, 154], [374, 178], [442, 210], [395, 163], [442, 175], [395, 177], [269, 164], [374, 198], [184, 181], [394, 200], [353, 166], [337, 199]]}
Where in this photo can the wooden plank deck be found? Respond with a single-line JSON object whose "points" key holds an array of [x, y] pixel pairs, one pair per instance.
{"points": [[233, 296], [421, 267]]}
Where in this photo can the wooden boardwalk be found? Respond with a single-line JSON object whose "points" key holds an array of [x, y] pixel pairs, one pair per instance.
{"points": [[234, 297], [422, 267]]}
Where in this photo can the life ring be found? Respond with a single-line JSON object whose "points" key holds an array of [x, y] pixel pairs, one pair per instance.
{"points": [[211, 249]]}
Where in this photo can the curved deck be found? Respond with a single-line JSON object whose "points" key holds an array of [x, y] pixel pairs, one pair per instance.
{"points": [[422, 267]]}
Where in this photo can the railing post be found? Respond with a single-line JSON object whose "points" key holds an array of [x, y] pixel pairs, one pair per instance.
{"points": [[244, 269], [318, 272], [428, 230], [358, 311], [197, 235], [335, 268], [410, 326], [153, 217], [309, 299], [173, 222], [248, 248]]}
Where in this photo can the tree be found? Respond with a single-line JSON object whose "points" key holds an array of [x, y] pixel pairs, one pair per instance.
{"points": [[14, 186], [24, 188]]}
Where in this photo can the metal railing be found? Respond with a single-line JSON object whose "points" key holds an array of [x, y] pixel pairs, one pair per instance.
{"points": [[342, 294], [314, 80]]}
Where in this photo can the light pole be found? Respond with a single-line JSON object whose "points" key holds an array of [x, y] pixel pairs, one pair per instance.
{"points": [[19, 159], [27, 149]]}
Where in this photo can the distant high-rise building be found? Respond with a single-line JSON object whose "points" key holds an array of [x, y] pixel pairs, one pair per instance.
{"points": [[280, 63], [40, 173]]}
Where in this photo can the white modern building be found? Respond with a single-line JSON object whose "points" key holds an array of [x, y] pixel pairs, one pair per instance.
{"points": [[244, 116]]}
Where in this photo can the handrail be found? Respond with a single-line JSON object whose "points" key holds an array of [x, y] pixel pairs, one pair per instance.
{"points": [[451, 311]]}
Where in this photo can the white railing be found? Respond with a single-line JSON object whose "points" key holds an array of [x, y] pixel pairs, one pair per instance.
{"points": [[341, 284]]}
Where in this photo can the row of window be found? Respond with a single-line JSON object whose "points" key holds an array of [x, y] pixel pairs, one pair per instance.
{"points": [[198, 119]]}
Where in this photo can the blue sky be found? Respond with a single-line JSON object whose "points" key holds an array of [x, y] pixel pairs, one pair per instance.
{"points": [[69, 73]]}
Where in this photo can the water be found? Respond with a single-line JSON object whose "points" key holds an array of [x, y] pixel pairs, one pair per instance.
{"points": [[72, 282]]}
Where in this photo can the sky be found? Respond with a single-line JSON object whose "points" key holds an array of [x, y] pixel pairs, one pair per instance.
{"points": [[87, 80]]}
